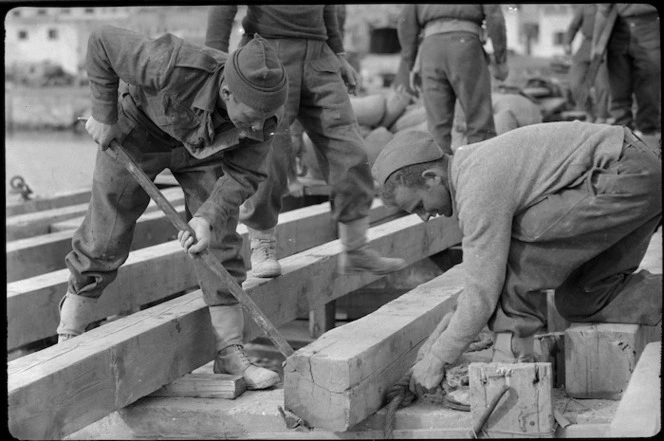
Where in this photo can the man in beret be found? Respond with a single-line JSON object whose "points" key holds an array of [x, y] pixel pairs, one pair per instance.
{"points": [[209, 117], [569, 206], [308, 42]]}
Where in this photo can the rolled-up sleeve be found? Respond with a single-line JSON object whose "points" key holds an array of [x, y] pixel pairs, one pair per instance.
{"points": [[118, 54], [244, 168]]}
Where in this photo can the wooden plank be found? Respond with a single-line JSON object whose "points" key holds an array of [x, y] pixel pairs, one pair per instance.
{"points": [[63, 388], [526, 409], [42, 254], [639, 412], [150, 274], [58, 200], [600, 357], [204, 385], [42, 222], [340, 379]]}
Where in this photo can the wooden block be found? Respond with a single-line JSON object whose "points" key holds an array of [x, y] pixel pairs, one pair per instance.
{"points": [[65, 387], [600, 357], [342, 378], [204, 386], [525, 410], [639, 412]]}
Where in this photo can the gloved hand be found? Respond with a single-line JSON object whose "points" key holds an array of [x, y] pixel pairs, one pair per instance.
{"points": [[194, 245]]}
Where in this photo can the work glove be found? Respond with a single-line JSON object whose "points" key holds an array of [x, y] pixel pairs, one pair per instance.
{"points": [[195, 245], [102, 133]]}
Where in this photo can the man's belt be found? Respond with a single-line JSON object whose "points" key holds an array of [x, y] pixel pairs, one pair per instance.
{"points": [[443, 25]]}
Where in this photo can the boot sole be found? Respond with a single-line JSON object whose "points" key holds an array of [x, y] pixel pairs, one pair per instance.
{"points": [[267, 274]]}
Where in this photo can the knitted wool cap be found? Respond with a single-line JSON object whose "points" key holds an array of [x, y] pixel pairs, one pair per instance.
{"points": [[406, 148], [256, 76]]}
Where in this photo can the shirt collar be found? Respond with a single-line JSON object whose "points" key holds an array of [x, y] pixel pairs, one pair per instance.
{"points": [[207, 96]]}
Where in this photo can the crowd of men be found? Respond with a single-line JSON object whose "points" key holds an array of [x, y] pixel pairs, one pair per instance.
{"points": [[569, 206]]}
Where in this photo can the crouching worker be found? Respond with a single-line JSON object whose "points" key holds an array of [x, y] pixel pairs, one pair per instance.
{"points": [[206, 115], [569, 206]]}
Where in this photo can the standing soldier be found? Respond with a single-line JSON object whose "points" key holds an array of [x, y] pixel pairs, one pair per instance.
{"points": [[308, 43], [633, 59], [453, 64], [206, 115], [584, 21]]}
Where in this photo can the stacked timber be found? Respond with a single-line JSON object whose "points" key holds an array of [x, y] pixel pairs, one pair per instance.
{"points": [[152, 327]]}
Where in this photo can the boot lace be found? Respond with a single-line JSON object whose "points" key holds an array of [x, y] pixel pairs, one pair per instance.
{"points": [[266, 250]]}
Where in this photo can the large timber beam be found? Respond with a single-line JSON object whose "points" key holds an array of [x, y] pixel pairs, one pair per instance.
{"points": [[62, 199], [341, 378], [153, 273], [41, 254], [63, 388], [41, 222]]}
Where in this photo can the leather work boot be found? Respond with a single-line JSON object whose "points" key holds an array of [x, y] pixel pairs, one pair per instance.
{"points": [[358, 256], [233, 360], [508, 348], [227, 326], [264, 253], [76, 312]]}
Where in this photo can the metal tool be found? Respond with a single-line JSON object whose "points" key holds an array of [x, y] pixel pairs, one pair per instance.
{"points": [[247, 303]]}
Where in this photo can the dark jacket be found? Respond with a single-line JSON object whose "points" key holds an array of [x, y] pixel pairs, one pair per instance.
{"points": [[176, 85]]}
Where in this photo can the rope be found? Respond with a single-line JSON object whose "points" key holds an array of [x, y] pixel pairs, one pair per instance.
{"points": [[399, 395]]}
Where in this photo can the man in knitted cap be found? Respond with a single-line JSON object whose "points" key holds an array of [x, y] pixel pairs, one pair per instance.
{"points": [[209, 117], [569, 206], [309, 44]]}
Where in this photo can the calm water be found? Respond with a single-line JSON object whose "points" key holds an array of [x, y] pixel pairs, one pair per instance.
{"points": [[49, 161]]}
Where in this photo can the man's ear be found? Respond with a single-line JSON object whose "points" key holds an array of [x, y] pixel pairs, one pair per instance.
{"points": [[432, 173], [225, 93]]}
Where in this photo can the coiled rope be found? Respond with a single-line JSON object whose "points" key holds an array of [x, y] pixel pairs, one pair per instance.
{"points": [[399, 395]]}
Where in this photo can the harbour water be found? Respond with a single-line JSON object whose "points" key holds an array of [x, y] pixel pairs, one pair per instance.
{"points": [[50, 162]]}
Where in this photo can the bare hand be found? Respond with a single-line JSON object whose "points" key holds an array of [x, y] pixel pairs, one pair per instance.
{"points": [[500, 71], [349, 75], [296, 188], [194, 245], [426, 375], [415, 82], [102, 133]]}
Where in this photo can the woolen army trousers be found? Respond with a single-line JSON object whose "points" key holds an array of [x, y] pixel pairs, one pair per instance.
{"points": [[586, 243], [634, 65], [102, 243], [454, 66], [318, 98]]}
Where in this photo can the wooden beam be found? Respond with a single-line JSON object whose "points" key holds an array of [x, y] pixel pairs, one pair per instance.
{"points": [[150, 274], [63, 199], [41, 222], [42, 254], [340, 379], [63, 388]]}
